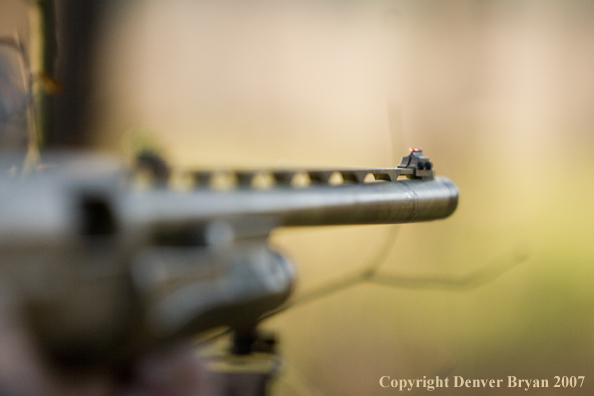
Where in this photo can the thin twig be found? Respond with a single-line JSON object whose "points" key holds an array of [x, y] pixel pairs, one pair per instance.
{"points": [[368, 271], [461, 282], [467, 281]]}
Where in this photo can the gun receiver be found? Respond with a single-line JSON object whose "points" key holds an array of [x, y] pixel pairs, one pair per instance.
{"points": [[107, 272]]}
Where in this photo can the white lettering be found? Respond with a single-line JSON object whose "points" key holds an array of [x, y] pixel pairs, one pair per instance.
{"points": [[402, 384], [411, 384], [511, 381]]}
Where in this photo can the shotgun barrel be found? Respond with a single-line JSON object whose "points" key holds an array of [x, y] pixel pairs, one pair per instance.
{"points": [[107, 271]]}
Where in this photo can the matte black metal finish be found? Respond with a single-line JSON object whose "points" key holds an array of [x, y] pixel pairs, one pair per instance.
{"points": [[403, 201]]}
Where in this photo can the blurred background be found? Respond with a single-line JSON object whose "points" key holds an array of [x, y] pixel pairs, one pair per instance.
{"points": [[500, 96]]}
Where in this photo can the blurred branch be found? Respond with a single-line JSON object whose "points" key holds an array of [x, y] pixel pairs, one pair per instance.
{"points": [[368, 271], [48, 57], [466, 281], [463, 282], [49, 39], [16, 44]]}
